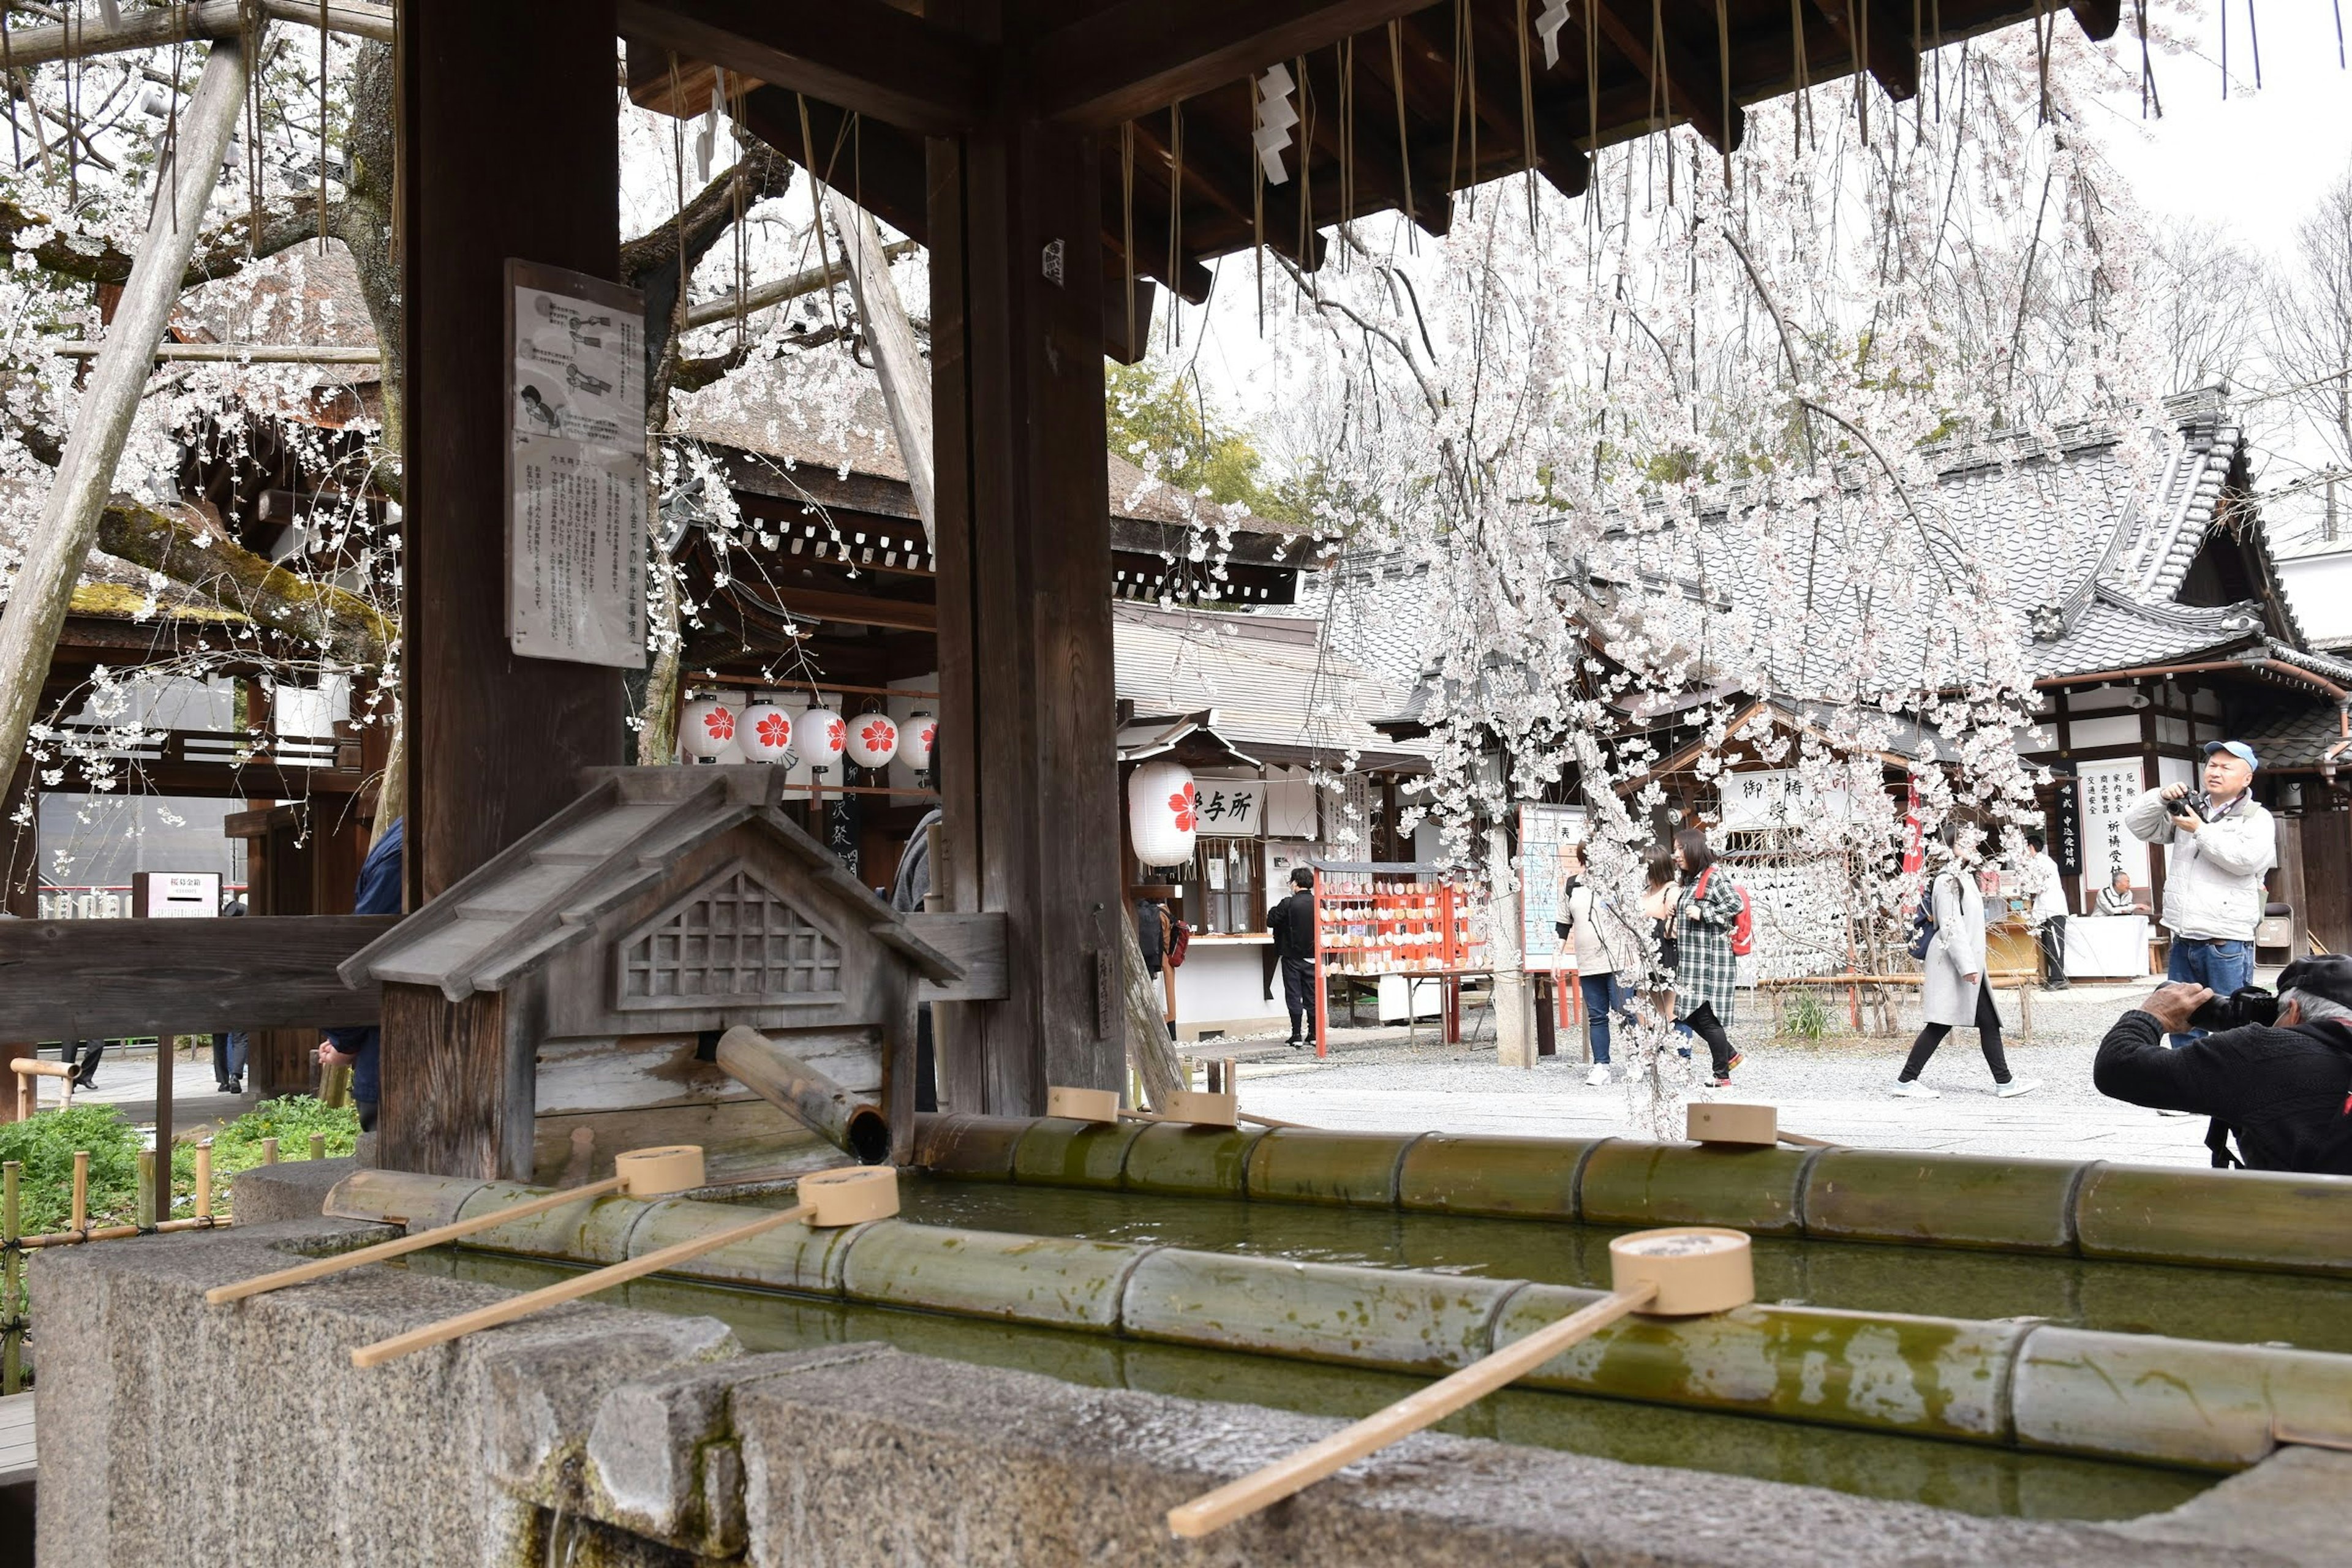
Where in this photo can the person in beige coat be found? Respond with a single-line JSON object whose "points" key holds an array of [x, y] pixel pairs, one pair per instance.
{"points": [[1955, 992]]}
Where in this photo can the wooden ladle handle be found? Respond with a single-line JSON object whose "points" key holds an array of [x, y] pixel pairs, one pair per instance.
{"points": [[1238, 1499]]}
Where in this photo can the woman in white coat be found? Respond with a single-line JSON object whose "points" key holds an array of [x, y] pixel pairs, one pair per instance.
{"points": [[1955, 992]]}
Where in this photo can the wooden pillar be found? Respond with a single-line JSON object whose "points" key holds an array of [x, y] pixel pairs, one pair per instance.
{"points": [[1029, 775], [495, 742]]}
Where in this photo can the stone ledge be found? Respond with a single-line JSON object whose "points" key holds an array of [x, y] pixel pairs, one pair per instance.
{"points": [[175, 1431]]}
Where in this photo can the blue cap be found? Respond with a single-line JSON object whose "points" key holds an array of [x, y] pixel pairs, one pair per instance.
{"points": [[2237, 748]]}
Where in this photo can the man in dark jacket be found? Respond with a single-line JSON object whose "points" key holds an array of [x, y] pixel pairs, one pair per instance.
{"points": [[1292, 921], [2284, 1090], [379, 894]]}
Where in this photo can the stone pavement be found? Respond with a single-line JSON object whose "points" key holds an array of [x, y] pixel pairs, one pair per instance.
{"points": [[1375, 1079]]}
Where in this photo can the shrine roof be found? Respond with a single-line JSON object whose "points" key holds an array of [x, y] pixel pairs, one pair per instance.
{"points": [[623, 836]]}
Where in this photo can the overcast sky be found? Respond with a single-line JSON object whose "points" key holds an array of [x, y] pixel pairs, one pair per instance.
{"points": [[2257, 161]]}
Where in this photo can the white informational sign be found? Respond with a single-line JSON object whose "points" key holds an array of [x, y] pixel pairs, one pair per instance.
{"points": [[1542, 830], [1231, 808], [575, 469], [2108, 789], [176, 895], [1778, 798]]}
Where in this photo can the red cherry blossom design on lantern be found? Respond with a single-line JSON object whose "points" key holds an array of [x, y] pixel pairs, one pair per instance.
{"points": [[1182, 804], [834, 734], [775, 730], [931, 734], [877, 735], [719, 723]]}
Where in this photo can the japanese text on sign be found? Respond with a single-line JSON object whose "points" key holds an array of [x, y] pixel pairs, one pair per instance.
{"points": [[2106, 791], [575, 469], [1231, 808]]}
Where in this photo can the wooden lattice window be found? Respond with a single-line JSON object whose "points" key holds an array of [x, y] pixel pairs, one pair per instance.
{"points": [[735, 939]]}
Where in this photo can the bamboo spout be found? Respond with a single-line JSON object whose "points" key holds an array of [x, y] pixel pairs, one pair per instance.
{"points": [[848, 1122]]}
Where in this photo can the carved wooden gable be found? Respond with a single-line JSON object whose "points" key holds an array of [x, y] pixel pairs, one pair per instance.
{"points": [[735, 938]]}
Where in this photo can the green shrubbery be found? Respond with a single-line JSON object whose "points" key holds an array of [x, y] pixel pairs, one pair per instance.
{"points": [[45, 1146]]}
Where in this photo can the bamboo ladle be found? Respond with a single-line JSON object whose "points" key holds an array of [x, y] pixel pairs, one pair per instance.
{"points": [[850, 1195], [640, 1172], [1681, 1273]]}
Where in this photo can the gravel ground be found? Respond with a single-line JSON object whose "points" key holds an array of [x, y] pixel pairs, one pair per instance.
{"points": [[1377, 1079]]}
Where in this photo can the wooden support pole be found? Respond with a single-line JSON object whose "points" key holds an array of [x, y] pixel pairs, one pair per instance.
{"points": [[81, 1191], [494, 743], [1030, 786], [59, 545], [906, 379], [204, 1179], [11, 1265]]}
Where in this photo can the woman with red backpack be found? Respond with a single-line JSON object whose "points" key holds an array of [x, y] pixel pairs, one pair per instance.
{"points": [[1707, 912]]}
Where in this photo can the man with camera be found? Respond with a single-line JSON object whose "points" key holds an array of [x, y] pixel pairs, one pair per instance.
{"points": [[2222, 843], [2276, 1072]]}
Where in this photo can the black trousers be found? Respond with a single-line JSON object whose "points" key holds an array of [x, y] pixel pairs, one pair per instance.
{"points": [[1708, 1027], [2054, 950], [88, 1051], [1988, 1036], [1299, 995]]}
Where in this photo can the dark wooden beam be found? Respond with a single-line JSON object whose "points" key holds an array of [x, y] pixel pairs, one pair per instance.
{"points": [[1694, 86], [1128, 60], [1893, 63], [2097, 19], [92, 979], [1221, 173], [878, 167], [858, 55], [854, 609], [1559, 158]]}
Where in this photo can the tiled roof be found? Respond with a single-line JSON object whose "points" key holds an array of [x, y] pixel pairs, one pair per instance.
{"points": [[1280, 694], [2296, 739], [2094, 573], [765, 409]]}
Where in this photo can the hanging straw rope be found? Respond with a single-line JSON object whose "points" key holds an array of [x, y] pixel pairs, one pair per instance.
{"points": [[1175, 221], [1405, 141], [1127, 219]]}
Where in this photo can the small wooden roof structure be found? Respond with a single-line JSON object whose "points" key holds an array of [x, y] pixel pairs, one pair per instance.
{"points": [[1400, 103], [551, 889]]}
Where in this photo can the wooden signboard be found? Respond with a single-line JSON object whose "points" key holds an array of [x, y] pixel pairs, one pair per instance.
{"points": [[575, 468]]}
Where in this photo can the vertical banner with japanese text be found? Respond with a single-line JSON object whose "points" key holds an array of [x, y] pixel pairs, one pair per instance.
{"points": [[2107, 790]]}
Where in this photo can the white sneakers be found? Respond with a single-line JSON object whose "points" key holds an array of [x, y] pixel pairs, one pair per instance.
{"points": [[1598, 1076], [1917, 1091]]}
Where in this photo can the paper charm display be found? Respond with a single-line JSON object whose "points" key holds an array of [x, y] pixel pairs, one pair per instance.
{"points": [[1274, 118], [1163, 812]]}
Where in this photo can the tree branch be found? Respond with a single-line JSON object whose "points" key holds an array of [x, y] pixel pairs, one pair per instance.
{"points": [[345, 626], [217, 255]]}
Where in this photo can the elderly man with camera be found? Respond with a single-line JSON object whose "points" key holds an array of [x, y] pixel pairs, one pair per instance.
{"points": [[2276, 1072], [2222, 843]]}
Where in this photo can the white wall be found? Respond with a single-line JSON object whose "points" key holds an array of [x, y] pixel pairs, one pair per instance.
{"points": [[2319, 587], [1221, 984]]}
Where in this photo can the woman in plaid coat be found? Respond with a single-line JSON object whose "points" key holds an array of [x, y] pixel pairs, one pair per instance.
{"points": [[1705, 970]]}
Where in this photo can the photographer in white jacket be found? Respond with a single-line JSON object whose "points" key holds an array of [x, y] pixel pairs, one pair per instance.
{"points": [[2221, 843]]}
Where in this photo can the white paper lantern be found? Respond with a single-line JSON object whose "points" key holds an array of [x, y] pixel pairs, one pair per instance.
{"points": [[821, 735], [706, 728], [764, 731], [917, 740], [872, 740], [1162, 813]]}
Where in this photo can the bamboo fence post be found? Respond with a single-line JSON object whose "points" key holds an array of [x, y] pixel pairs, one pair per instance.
{"points": [[318, 1145], [335, 1092], [80, 1191], [269, 1151], [12, 1328], [145, 1210], [205, 1178]]}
